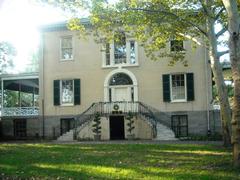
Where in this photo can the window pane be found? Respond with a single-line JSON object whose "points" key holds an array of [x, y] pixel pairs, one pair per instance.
{"points": [[183, 120], [120, 49], [132, 94], [132, 52], [107, 54], [67, 42], [180, 125], [176, 45], [67, 54], [120, 79], [178, 87], [110, 95], [67, 92], [66, 48]]}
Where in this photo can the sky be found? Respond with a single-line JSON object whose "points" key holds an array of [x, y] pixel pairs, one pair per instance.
{"points": [[20, 20]]}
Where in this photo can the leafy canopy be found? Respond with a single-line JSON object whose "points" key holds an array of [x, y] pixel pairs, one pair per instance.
{"points": [[151, 22], [7, 54]]}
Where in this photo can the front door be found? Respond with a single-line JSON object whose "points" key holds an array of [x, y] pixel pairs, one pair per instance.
{"points": [[117, 127], [121, 94], [66, 125]]}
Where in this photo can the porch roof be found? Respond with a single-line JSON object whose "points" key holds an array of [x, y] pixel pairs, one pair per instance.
{"points": [[23, 85]]}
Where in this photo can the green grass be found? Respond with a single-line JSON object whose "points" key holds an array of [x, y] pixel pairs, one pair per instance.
{"points": [[116, 161]]}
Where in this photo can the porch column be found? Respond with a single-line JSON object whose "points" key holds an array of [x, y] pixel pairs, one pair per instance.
{"points": [[2, 93], [33, 102]]}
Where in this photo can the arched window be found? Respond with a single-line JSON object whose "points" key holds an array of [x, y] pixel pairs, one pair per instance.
{"points": [[120, 79]]}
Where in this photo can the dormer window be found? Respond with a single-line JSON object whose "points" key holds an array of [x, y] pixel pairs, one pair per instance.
{"points": [[122, 52], [176, 45], [66, 48]]}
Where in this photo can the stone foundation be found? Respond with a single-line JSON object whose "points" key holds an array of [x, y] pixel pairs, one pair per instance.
{"points": [[197, 125]]}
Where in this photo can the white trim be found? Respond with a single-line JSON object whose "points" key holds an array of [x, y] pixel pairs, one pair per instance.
{"points": [[128, 52], [20, 77], [136, 54], [185, 88], [120, 70], [111, 54], [112, 59], [69, 59], [131, 75], [120, 65]]}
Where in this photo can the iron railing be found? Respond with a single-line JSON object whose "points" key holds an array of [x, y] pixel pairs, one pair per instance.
{"points": [[19, 111], [140, 109], [159, 116]]}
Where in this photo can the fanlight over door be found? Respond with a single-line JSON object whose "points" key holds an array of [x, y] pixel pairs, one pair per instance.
{"points": [[120, 88]]}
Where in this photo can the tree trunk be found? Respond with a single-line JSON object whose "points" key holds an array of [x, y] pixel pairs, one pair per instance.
{"points": [[219, 80], [234, 47]]}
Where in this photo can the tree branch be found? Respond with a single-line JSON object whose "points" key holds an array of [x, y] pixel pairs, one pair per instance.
{"points": [[219, 13], [222, 53], [171, 15], [221, 32], [191, 38], [205, 8]]}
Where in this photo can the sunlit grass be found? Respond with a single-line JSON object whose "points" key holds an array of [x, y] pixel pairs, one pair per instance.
{"points": [[113, 161]]}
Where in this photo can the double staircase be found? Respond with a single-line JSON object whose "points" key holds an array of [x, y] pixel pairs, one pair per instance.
{"points": [[161, 130]]}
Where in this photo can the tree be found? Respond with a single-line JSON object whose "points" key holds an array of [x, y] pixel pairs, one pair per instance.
{"points": [[96, 126], [7, 54], [155, 22], [234, 46], [130, 125]]}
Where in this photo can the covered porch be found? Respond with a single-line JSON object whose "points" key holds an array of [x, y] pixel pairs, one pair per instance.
{"points": [[19, 96]]}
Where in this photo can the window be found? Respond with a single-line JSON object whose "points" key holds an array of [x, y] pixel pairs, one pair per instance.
{"points": [[178, 87], [20, 128], [132, 52], [66, 48], [176, 45], [122, 52], [120, 55], [180, 125], [120, 79], [107, 54], [67, 92]]}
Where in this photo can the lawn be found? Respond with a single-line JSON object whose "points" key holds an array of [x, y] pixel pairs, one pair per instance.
{"points": [[116, 161]]}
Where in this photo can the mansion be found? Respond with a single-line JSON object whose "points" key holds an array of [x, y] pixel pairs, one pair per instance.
{"points": [[80, 79]]}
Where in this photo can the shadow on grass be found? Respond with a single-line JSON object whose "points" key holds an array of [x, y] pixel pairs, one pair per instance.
{"points": [[130, 161]]}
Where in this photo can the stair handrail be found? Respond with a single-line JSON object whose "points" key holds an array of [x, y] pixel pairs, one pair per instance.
{"points": [[155, 112], [106, 108], [84, 117]]}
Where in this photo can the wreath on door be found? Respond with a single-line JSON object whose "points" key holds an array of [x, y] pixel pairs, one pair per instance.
{"points": [[116, 107]]}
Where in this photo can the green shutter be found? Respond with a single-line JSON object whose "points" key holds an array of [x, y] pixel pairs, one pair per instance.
{"points": [[56, 92], [77, 91], [166, 87], [190, 87]]}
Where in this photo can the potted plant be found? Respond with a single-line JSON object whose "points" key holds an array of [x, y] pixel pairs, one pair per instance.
{"points": [[130, 126], [96, 127]]}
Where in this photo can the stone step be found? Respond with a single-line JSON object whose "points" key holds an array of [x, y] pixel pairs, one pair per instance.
{"points": [[68, 136], [164, 133]]}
